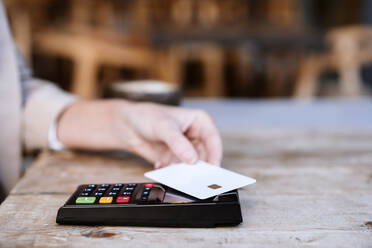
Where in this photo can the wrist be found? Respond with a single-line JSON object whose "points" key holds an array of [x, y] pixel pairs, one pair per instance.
{"points": [[124, 120]]}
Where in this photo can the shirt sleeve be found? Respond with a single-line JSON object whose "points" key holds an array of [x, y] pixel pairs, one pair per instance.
{"points": [[42, 103]]}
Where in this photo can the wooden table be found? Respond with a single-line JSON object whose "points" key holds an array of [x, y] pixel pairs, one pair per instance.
{"points": [[314, 189], [314, 186]]}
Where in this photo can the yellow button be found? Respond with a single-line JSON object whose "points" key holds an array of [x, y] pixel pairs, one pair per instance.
{"points": [[105, 200]]}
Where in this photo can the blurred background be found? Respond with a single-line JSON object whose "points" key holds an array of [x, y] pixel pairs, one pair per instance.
{"points": [[208, 48]]}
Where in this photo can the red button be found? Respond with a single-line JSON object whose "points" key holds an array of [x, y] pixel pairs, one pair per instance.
{"points": [[123, 199], [148, 185]]}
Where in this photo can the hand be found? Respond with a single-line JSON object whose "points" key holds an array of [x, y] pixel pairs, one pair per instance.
{"points": [[161, 134]]}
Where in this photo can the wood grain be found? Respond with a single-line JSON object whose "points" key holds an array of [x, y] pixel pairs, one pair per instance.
{"points": [[314, 189]]}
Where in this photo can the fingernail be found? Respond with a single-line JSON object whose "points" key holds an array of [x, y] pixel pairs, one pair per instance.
{"points": [[219, 162], [189, 157], [157, 165]]}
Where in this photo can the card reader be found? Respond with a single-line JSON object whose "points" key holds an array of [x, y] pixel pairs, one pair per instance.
{"points": [[147, 204]]}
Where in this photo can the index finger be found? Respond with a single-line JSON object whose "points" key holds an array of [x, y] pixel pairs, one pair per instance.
{"points": [[211, 139]]}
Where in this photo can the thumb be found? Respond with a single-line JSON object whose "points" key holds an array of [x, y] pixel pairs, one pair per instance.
{"points": [[178, 144]]}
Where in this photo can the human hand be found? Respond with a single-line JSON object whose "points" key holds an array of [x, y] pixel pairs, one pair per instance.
{"points": [[160, 134], [165, 135]]}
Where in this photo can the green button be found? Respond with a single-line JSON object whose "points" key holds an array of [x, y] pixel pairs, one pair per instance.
{"points": [[85, 200]]}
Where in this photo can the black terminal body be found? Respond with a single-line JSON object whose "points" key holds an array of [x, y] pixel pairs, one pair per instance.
{"points": [[147, 204]]}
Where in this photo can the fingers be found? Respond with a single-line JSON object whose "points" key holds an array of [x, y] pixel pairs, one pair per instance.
{"points": [[167, 158], [200, 149], [214, 148], [211, 139], [163, 163], [177, 142], [156, 153], [175, 129]]}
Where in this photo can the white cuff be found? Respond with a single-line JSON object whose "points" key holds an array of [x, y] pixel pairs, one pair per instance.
{"points": [[53, 141]]}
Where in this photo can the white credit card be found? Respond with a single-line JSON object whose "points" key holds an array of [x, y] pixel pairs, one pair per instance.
{"points": [[201, 180]]}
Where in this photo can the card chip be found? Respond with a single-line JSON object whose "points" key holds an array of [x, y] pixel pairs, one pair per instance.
{"points": [[214, 186]]}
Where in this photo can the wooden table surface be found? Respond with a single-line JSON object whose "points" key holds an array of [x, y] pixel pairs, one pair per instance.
{"points": [[314, 189]]}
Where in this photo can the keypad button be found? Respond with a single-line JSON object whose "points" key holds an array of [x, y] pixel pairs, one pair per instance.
{"points": [[144, 198], [105, 185], [113, 193], [147, 189], [92, 186], [84, 194], [88, 190], [118, 185], [105, 200], [145, 193], [149, 185], [98, 194], [115, 189], [123, 199], [133, 185], [126, 193], [101, 189], [129, 189], [85, 200]]}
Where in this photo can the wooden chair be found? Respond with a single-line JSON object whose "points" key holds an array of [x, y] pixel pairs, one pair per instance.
{"points": [[91, 47], [211, 57], [88, 54], [350, 48]]}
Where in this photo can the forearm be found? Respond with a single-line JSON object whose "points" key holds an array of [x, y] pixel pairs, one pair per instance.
{"points": [[92, 125]]}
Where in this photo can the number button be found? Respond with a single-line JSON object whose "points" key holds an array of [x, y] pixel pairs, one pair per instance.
{"points": [[113, 193]]}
